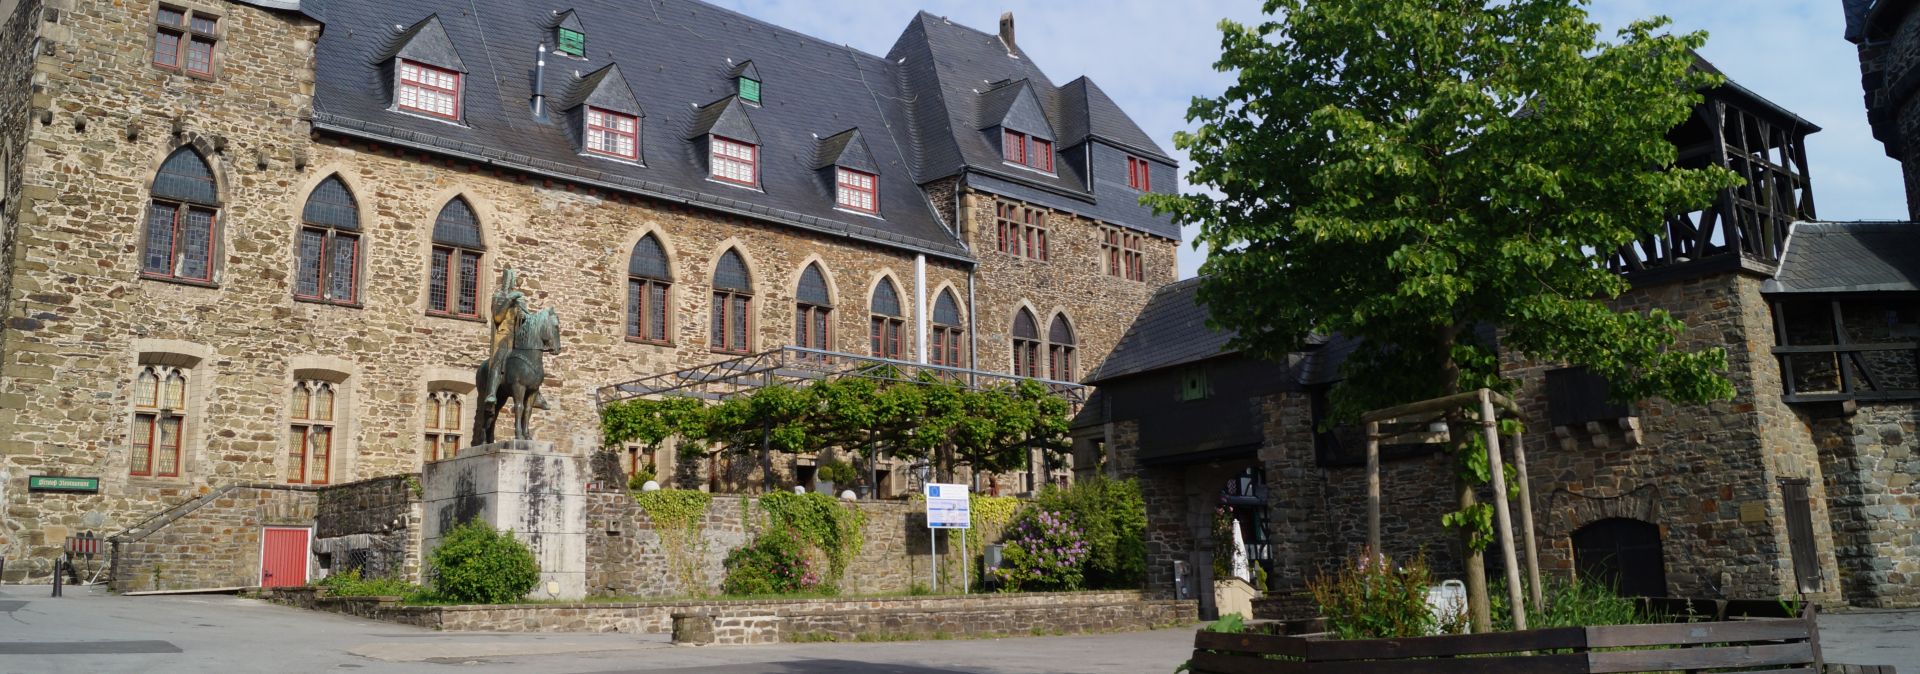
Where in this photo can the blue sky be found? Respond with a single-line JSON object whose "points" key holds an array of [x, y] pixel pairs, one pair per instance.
{"points": [[1153, 56]]}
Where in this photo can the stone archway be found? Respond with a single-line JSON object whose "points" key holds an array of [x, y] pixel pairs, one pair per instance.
{"points": [[1622, 553]]}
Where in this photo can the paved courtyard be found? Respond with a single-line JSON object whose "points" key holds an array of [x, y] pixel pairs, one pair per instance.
{"points": [[92, 631]]}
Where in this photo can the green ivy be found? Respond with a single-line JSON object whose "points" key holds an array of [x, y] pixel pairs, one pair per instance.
{"points": [[989, 512], [821, 521], [677, 515]]}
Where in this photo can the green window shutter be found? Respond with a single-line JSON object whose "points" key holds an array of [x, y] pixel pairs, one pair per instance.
{"points": [[750, 90], [572, 43]]}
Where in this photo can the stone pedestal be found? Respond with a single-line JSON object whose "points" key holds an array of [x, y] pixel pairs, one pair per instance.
{"points": [[519, 485]]}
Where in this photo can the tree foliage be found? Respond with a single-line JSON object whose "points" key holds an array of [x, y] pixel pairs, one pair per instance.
{"points": [[927, 417], [1400, 171]]}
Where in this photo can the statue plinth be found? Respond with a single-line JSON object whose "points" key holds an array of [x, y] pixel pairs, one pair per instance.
{"points": [[521, 485]]}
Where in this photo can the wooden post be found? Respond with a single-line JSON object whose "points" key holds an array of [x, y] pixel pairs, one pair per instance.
{"points": [[1373, 488], [1503, 517], [1526, 521]]}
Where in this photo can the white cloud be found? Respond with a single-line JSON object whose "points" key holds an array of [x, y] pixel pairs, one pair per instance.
{"points": [[1154, 56]]}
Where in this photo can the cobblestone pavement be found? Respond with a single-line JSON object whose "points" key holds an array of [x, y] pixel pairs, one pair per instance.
{"points": [[90, 630]]}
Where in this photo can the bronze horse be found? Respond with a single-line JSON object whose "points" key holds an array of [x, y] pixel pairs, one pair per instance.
{"points": [[522, 375]]}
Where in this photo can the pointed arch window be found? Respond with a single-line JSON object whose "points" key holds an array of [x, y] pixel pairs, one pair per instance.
{"points": [[181, 220], [310, 440], [159, 421], [813, 310], [947, 334], [1060, 347], [648, 283], [444, 414], [453, 281], [732, 304], [1026, 344], [328, 252], [887, 320]]}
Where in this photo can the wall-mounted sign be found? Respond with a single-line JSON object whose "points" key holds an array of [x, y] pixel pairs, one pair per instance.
{"points": [[63, 483]]}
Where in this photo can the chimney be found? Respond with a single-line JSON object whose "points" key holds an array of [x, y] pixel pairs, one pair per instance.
{"points": [[1006, 31], [540, 81]]}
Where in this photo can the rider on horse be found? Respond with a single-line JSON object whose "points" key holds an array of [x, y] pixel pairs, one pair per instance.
{"points": [[509, 313]]}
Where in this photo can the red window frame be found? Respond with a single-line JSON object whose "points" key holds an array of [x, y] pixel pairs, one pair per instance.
{"points": [[182, 211], [1013, 146], [885, 337], [1026, 357], [448, 267], [1043, 154], [733, 319], [648, 301], [186, 42], [1060, 362], [1022, 231], [946, 346], [813, 326], [330, 241], [400, 77], [1138, 175], [152, 415], [632, 137], [443, 430], [752, 160], [850, 191]]}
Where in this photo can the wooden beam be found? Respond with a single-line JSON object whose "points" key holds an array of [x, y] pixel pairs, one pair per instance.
{"points": [[1373, 488], [1503, 516], [1440, 404], [1526, 522]]}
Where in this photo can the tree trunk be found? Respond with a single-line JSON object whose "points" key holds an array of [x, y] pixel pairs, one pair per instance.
{"points": [[1479, 608]]}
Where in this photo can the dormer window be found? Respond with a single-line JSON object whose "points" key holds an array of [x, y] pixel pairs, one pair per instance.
{"points": [[612, 134], [1026, 150], [428, 90], [570, 42], [857, 191], [734, 161], [1138, 177], [750, 90]]}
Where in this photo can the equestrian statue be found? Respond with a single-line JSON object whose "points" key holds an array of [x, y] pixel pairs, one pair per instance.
{"points": [[514, 367]]}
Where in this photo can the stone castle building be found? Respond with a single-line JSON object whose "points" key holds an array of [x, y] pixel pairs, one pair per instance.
{"points": [[1799, 486], [252, 242]]}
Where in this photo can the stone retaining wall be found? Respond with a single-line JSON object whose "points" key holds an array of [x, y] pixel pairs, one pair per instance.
{"points": [[370, 525], [750, 621], [213, 544], [1870, 464]]}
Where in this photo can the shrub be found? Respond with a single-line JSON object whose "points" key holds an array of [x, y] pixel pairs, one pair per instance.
{"points": [[477, 564], [350, 584], [1113, 517], [819, 521], [842, 474], [774, 563], [639, 479], [1370, 598], [1044, 551]]}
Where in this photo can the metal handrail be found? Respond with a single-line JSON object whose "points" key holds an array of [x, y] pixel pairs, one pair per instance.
{"points": [[726, 378]]}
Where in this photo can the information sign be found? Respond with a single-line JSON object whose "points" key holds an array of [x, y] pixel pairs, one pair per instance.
{"points": [[60, 483], [948, 507]]}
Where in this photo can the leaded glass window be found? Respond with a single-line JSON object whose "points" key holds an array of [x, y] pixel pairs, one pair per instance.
{"points": [[181, 220], [648, 283], [327, 268], [453, 281], [813, 310], [732, 304]]}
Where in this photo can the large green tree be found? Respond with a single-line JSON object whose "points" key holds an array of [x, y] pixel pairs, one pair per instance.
{"points": [[1407, 171]]}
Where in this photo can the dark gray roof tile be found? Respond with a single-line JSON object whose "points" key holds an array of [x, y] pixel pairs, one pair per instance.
{"points": [[425, 42], [605, 89], [1849, 257], [846, 150], [1171, 330], [726, 118]]}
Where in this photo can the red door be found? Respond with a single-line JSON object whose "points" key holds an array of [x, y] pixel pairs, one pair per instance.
{"points": [[283, 557]]}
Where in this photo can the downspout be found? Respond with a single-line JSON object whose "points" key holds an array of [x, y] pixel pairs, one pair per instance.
{"points": [[920, 306], [540, 81]]}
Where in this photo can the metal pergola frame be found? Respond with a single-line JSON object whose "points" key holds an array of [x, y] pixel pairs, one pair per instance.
{"points": [[794, 365]]}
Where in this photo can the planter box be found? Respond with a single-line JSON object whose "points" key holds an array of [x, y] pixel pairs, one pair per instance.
{"points": [[1781, 643]]}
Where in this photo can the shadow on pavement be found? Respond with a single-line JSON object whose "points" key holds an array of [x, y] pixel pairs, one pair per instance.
{"points": [[799, 667]]}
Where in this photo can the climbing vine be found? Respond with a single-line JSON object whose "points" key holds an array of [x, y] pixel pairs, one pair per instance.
{"points": [[677, 515], [821, 521], [989, 512]]}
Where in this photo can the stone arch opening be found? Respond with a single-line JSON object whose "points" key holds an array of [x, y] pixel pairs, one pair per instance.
{"points": [[1625, 554]]}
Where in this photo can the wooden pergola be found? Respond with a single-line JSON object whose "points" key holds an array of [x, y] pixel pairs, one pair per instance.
{"points": [[1412, 422]]}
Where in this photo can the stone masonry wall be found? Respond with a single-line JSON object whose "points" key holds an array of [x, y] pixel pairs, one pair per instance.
{"points": [[80, 320], [1870, 466], [371, 525], [1708, 475], [18, 31], [215, 545], [627, 558]]}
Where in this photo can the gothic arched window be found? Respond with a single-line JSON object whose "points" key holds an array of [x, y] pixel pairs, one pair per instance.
{"points": [[732, 304], [888, 320], [813, 310], [181, 220], [327, 256], [453, 280], [948, 334], [1026, 344], [648, 280]]}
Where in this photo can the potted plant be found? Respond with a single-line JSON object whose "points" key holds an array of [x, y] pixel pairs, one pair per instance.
{"points": [[835, 472]]}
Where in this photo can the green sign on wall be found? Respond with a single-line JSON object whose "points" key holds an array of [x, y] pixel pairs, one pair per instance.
{"points": [[60, 483]]}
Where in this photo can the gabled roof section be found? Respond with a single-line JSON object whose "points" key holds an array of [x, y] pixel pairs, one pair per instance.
{"points": [[1012, 105], [1102, 118], [426, 42], [570, 20], [846, 150], [745, 69], [605, 89], [1849, 257], [1171, 330], [726, 117]]}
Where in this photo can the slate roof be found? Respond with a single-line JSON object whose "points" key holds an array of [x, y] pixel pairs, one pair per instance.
{"points": [[958, 74], [1171, 330], [1849, 257], [915, 109]]}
